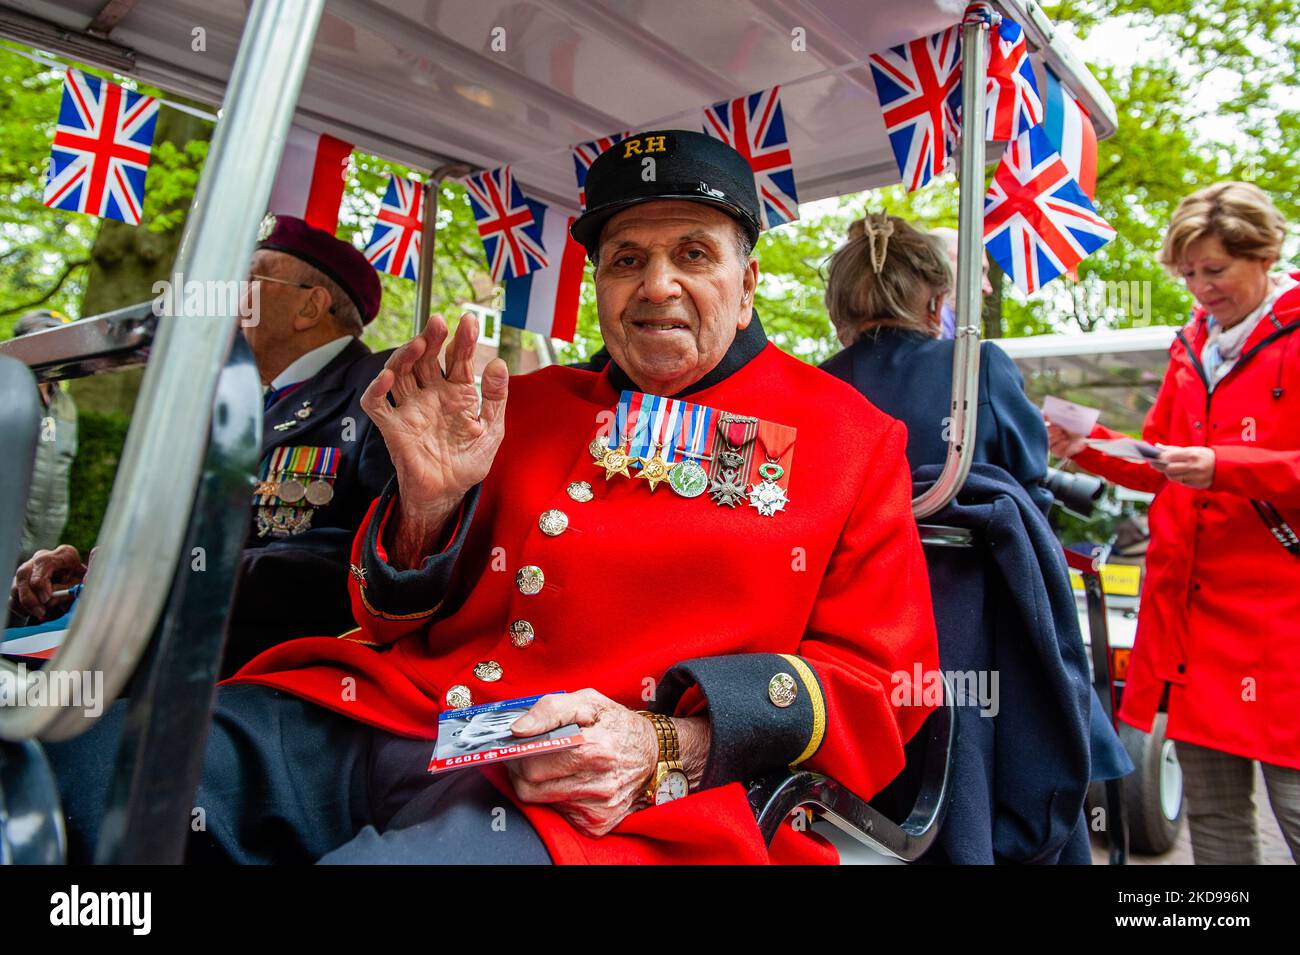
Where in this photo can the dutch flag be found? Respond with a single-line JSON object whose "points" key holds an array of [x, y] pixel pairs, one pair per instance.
{"points": [[545, 301], [1069, 127], [309, 183]]}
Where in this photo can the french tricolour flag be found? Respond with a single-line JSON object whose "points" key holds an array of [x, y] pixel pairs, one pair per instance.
{"points": [[309, 183], [545, 301]]}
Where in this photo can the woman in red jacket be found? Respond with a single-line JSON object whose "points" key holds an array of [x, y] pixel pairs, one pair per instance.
{"points": [[1219, 629]]}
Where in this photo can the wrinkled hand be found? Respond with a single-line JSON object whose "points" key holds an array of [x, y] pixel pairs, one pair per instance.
{"points": [[596, 784], [440, 439], [1193, 467], [34, 583], [1063, 444]]}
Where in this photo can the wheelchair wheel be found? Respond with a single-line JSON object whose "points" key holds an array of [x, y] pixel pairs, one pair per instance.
{"points": [[1153, 793]]}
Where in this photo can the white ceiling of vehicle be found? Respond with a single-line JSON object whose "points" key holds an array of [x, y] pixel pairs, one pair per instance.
{"points": [[425, 81]]}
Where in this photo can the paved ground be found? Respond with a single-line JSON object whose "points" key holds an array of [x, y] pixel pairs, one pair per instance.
{"points": [[1273, 848]]}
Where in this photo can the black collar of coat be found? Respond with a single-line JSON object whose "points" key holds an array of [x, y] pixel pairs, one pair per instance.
{"points": [[749, 341]]}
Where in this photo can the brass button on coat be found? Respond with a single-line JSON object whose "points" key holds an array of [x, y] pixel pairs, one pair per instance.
{"points": [[489, 671], [781, 690], [553, 523], [521, 633], [458, 697], [530, 579], [580, 491]]}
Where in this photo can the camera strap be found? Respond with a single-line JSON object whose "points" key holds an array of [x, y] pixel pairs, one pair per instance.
{"points": [[1277, 526]]}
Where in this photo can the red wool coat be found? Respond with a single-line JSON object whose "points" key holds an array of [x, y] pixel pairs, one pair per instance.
{"points": [[1220, 617], [640, 582]]}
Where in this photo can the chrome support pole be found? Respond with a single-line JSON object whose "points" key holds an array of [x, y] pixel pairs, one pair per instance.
{"points": [[428, 236], [153, 494], [970, 243]]}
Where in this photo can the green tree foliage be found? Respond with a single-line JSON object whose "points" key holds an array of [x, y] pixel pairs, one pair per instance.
{"points": [[43, 254], [1217, 103], [100, 439]]}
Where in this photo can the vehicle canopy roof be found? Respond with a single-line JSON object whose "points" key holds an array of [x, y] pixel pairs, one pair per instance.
{"points": [[497, 81]]}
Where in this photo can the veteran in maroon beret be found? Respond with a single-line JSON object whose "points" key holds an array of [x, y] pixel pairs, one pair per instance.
{"points": [[308, 297], [323, 461]]}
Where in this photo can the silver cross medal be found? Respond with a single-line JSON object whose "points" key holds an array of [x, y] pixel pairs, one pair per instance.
{"points": [[728, 487]]}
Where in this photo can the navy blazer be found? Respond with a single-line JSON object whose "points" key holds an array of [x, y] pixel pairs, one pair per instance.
{"points": [[909, 377], [298, 585]]}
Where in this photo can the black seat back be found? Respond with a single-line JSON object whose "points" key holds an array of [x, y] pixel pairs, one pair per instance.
{"points": [[31, 823]]}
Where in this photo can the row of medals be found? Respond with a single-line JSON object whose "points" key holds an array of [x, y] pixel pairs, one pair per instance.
{"points": [[689, 479], [317, 493]]}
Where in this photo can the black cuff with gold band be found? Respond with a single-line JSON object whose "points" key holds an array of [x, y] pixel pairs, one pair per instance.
{"points": [[406, 594], [766, 712]]}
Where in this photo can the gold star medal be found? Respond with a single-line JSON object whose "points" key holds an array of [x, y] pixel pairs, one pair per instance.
{"points": [[615, 461], [654, 469]]}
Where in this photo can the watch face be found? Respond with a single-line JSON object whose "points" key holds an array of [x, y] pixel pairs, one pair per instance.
{"points": [[673, 786]]}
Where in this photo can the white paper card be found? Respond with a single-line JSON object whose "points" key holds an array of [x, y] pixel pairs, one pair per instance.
{"points": [[1076, 419], [1126, 449]]}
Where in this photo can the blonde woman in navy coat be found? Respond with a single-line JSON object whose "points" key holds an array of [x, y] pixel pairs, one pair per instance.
{"points": [[885, 289]]}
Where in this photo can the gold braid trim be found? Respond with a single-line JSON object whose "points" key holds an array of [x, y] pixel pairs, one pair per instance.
{"points": [[351, 639], [817, 701], [395, 616]]}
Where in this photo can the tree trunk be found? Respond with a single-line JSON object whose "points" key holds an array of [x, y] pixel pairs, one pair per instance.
{"points": [[992, 310], [511, 349], [125, 262]]}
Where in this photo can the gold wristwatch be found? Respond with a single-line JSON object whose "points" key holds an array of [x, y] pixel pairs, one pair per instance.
{"points": [[668, 781]]}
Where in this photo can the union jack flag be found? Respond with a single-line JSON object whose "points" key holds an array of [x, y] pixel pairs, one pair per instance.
{"points": [[1012, 103], [919, 88], [394, 246], [512, 238], [584, 154], [754, 126], [1037, 221], [101, 149]]}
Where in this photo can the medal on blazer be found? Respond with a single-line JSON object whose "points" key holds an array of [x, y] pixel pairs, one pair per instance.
{"points": [[293, 476], [656, 424], [688, 477], [615, 461], [776, 442], [651, 421], [283, 521], [731, 460], [654, 469], [302, 414]]}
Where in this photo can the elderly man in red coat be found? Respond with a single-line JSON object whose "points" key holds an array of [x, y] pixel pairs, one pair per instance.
{"points": [[740, 592]]}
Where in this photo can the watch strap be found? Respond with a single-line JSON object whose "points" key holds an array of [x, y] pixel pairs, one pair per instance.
{"points": [[669, 750]]}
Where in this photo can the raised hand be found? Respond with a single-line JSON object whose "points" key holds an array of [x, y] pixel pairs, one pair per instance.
{"points": [[441, 441]]}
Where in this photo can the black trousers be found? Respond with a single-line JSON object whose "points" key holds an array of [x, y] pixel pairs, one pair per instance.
{"points": [[285, 780]]}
